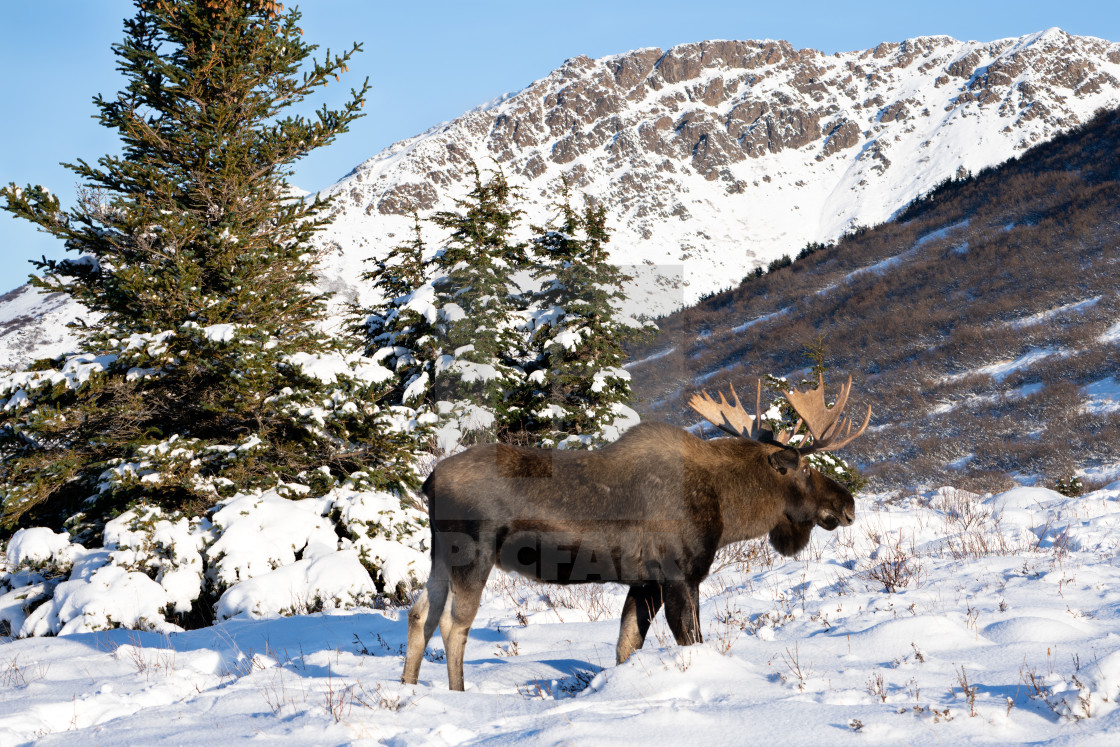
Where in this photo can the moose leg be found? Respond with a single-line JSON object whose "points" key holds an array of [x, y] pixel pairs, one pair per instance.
{"points": [[467, 584], [682, 611], [445, 619], [422, 620], [642, 604]]}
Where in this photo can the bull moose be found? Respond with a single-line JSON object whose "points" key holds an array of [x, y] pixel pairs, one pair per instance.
{"points": [[649, 510]]}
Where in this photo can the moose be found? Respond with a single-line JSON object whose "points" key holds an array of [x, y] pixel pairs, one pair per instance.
{"points": [[649, 510]]}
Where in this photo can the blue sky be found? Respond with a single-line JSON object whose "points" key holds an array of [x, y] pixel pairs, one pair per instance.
{"points": [[431, 61]]}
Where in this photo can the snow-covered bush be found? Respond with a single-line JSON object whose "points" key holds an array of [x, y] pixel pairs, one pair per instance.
{"points": [[329, 581], [100, 596], [166, 548], [35, 560], [392, 542], [259, 554]]}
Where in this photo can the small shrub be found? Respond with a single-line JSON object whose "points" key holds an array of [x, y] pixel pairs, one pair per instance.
{"points": [[896, 570], [1071, 486]]}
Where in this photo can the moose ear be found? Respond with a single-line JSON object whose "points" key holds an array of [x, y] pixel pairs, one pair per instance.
{"points": [[785, 459]]}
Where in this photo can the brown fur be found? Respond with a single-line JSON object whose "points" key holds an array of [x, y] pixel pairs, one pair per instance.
{"points": [[649, 511]]}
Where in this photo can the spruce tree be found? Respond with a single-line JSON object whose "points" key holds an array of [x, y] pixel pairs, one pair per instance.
{"points": [[577, 393], [207, 372], [478, 306], [401, 331]]}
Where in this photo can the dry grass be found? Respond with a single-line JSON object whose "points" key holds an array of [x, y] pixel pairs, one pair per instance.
{"points": [[17, 675], [595, 601]]}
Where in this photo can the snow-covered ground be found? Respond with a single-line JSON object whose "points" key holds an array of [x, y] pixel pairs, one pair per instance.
{"points": [[941, 618]]}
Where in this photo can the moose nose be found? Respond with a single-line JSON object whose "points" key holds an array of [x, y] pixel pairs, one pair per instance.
{"points": [[848, 517]]}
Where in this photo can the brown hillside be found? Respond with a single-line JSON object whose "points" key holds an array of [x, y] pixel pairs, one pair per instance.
{"points": [[931, 312]]}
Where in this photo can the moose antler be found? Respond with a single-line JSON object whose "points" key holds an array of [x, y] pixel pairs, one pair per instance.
{"points": [[829, 430], [732, 418]]}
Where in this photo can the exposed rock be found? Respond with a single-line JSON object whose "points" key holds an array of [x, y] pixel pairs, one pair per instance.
{"points": [[893, 112], [808, 81], [403, 199], [884, 49], [680, 64], [964, 67], [534, 167], [1096, 84], [842, 136], [631, 69]]}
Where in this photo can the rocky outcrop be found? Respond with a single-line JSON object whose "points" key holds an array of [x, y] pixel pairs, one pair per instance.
{"points": [[717, 103]]}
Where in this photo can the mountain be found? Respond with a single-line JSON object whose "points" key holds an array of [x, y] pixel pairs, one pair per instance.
{"points": [[716, 157], [981, 325]]}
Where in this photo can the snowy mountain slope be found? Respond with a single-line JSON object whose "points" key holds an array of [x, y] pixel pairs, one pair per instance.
{"points": [[716, 157], [33, 325], [939, 618]]}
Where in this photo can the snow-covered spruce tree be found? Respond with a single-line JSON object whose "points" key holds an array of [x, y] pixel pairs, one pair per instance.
{"points": [[478, 304], [576, 393], [206, 373], [782, 416], [401, 331]]}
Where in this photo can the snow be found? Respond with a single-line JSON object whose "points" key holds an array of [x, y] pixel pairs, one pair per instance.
{"points": [[290, 526], [467, 418], [76, 371], [422, 301], [984, 399], [554, 412], [1000, 629], [335, 579], [35, 545], [569, 339], [330, 367], [34, 325], [110, 597], [1002, 369], [604, 376], [757, 320], [220, 332], [1112, 334], [941, 233], [649, 358], [1044, 316], [416, 388], [1103, 396], [470, 372], [143, 539]]}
